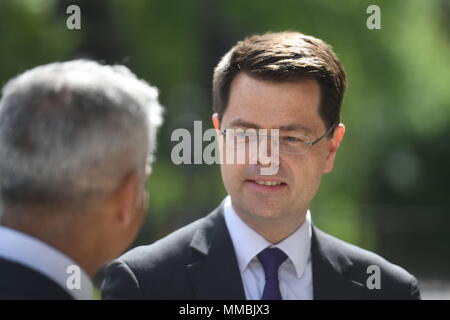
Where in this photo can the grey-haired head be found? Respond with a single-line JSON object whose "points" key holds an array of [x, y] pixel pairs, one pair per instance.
{"points": [[72, 131]]}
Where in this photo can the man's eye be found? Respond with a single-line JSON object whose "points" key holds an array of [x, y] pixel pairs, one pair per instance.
{"points": [[290, 139]]}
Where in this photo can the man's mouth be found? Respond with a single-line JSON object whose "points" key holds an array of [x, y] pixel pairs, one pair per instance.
{"points": [[268, 182], [266, 185]]}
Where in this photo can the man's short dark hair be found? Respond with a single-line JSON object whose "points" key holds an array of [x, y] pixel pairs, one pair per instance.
{"points": [[284, 57]]}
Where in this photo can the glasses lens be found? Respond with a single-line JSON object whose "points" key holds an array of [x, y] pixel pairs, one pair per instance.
{"points": [[299, 148], [249, 139]]}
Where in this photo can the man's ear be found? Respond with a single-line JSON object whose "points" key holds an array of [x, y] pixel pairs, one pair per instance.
{"points": [[333, 146], [215, 121], [126, 197]]}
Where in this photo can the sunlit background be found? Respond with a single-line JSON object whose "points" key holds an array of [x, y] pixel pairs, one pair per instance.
{"points": [[389, 191]]}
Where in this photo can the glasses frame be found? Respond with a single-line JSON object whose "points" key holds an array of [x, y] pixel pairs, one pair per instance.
{"points": [[309, 143]]}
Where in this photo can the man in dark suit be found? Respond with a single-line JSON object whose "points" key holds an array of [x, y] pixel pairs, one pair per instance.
{"points": [[260, 243], [76, 140]]}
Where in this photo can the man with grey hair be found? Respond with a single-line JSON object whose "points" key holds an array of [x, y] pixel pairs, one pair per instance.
{"points": [[76, 143]]}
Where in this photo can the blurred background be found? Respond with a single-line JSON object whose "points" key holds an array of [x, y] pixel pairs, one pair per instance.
{"points": [[389, 191]]}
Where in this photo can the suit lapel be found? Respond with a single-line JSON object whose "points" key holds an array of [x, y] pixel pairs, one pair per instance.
{"points": [[330, 267], [215, 274]]}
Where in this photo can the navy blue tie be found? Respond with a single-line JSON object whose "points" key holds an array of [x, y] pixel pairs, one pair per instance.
{"points": [[271, 259]]}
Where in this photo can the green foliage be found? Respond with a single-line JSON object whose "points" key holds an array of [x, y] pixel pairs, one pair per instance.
{"points": [[397, 112]]}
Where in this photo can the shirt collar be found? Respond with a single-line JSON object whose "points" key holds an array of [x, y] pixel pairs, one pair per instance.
{"points": [[248, 243], [37, 255]]}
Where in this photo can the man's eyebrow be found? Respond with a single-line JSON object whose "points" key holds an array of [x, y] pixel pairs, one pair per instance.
{"points": [[242, 123], [295, 127], [291, 127]]}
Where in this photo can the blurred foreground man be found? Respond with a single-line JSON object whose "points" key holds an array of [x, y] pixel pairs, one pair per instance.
{"points": [[260, 243], [76, 140]]}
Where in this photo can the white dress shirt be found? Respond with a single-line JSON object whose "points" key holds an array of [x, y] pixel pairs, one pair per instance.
{"points": [[294, 274], [23, 249]]}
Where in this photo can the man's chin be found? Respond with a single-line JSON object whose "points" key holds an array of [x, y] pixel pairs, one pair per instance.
{"points": [[262, 211]]}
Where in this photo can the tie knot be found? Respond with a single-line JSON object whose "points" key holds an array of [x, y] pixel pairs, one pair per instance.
{"points": [[271, 259]]}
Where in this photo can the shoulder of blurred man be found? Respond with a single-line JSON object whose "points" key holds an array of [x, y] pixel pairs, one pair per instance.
{"points": [[174, 268], [16, 285]]}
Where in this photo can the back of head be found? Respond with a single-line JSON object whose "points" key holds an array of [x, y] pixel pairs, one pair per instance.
{"points": [[70, 132]]}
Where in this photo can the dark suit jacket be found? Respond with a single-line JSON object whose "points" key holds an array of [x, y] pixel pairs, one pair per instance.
{"points": [[18, 282], [199, 262]]}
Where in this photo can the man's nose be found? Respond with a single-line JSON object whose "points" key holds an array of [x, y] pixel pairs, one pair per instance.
{"points": [[267, 152]]}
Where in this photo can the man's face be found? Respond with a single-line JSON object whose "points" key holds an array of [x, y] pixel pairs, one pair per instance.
{"points": [[291, 107]]}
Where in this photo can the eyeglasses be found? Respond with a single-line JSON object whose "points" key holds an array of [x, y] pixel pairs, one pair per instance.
{"points": [[292, 144]]}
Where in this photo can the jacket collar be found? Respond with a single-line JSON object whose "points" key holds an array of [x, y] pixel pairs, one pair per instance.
{"points": [[215, 273]]}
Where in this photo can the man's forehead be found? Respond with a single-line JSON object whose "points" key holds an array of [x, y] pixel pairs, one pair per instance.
{"points": [[282, 101]]}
